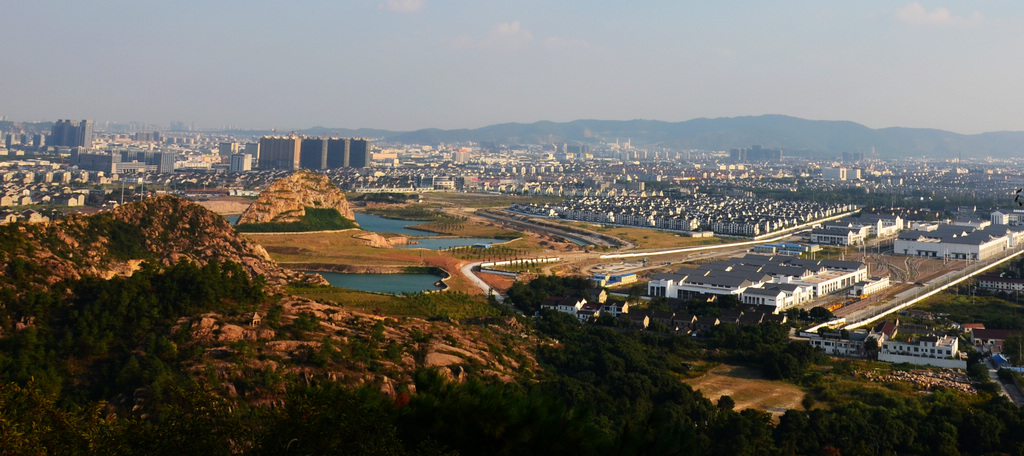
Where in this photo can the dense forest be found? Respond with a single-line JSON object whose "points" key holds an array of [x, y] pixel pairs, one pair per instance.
{"points": [[71, 364]]}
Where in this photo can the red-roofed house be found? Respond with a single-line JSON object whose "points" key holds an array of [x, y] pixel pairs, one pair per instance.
{"points": [[991, 339]]}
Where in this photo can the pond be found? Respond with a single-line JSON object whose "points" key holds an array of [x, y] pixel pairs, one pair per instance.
{"points": [[424, 239], [382, 283], [233, 219], [379, 224]]}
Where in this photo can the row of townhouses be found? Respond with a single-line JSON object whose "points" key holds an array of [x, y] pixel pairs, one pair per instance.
{"points": [[724, 215], [596, 304]]}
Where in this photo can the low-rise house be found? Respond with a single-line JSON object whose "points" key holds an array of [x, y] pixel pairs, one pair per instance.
{"points": [[730, 316], [996, 283], [684, 321], [853, 345], [991, 340], [751, 318], [596, 295], [705, 323], [588, 311], [639, 319], [565, 304], [615, 308], [939, 351]]}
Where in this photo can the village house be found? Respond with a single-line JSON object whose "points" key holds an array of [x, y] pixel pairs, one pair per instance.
{"points": [[939, 351]]}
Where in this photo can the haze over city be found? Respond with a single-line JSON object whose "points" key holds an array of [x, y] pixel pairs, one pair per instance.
{"points": [[412, 64]]}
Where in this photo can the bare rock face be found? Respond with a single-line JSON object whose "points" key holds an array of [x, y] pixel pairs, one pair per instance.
{"points": [[286, 199], [381, 242], [163, 230]]}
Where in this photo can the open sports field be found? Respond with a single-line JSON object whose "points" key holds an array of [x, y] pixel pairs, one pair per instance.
{"points": [[748, 389]]}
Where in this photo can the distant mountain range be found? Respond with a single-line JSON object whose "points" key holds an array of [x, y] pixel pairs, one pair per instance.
{"points": [[802, 137], [813, 138]]}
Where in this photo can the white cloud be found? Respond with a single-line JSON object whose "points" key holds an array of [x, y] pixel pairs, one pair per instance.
{"points": [[557, 43], [405, 6], [506, 36], [915, 13]]}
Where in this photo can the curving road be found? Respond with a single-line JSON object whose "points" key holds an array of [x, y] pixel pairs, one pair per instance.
{"points": [[467, 271]]}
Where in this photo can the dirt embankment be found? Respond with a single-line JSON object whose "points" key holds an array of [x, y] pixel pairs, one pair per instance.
{"points": [[226, 205]]}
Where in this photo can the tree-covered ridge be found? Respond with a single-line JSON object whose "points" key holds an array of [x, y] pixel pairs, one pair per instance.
{"points": [[110, 337], [115, 367], [603, 392]]}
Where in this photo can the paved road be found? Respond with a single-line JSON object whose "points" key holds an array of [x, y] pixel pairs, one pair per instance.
{"points": [[467, 271], [1010, 392]]}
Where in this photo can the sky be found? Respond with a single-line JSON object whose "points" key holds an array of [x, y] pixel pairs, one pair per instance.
{"points": [[412, 64]]}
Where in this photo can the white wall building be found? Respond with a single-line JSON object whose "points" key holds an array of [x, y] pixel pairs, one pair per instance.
{"points": [[958, 242], [779, 281], [929, 351]]}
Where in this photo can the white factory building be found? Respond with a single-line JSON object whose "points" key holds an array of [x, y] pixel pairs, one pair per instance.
{"points": [[959, 242], [780, 282]]}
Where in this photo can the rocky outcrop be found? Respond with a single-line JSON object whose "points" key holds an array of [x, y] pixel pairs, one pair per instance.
{"points": [[381, 242], [163, 230], [286, 199]]}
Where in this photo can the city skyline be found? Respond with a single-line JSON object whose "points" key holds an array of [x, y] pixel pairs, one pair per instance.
{"points": [[406, 65]]}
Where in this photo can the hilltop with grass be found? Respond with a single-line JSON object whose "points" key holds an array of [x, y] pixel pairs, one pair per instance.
{"points": [[303, 201]]}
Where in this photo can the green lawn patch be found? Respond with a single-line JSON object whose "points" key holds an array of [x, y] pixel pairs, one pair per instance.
{"points": [[314, 220]]}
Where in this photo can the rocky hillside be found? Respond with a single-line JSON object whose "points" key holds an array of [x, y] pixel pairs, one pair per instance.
{"points": [[162, 230], [323, 342], [286, 199]]}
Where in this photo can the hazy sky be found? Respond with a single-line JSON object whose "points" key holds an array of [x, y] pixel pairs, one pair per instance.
{"points": [[410, 64]]}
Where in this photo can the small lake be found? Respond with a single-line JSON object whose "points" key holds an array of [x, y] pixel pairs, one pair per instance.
{"points": [[379, 224], [233, 219], [382, 283], [424, 239]]}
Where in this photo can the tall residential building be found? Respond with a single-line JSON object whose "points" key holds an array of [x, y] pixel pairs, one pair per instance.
{"points": [[240, 163], [254, 150], [359, 153], [756, 153], [338, 152], [313, 153], [834, 174], [66, 133], [280, 152], [226, 150]]}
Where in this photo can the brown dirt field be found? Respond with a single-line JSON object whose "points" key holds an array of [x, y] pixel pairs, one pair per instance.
{"points": [[748, 389], [500, 283], [226, 205]]}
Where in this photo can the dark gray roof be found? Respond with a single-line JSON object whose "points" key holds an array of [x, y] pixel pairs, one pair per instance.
{"points": [[728, 281], [668, 276], [840, 264], [773, 292]]}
